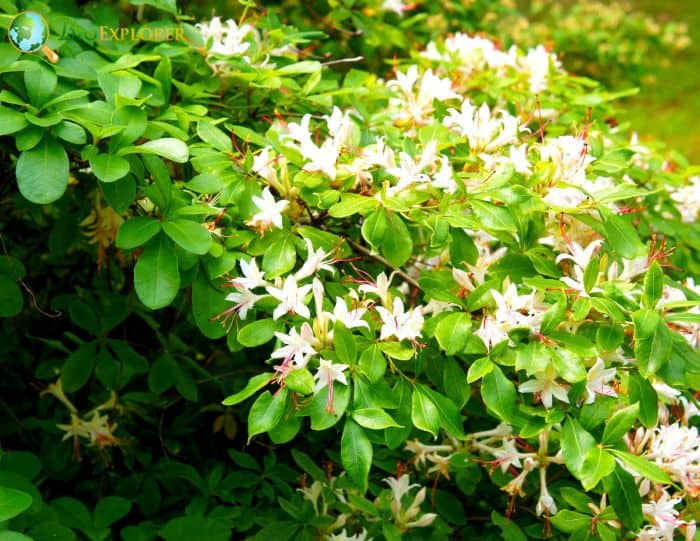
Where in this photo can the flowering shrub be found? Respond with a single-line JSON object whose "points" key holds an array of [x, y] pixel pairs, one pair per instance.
{"points": [[456, 299]]}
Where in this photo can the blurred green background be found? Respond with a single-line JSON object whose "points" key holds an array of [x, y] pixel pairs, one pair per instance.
{"points": [[669, 108]]}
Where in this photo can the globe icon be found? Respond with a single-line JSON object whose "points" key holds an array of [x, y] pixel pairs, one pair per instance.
{"points": [[28, 31]]}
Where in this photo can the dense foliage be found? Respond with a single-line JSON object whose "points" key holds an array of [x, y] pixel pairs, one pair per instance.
{"points": [[339, 272]]}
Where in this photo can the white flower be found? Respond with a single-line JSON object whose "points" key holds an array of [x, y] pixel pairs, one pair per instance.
{"points": [[399, 487], [252, 276], [576, 283], [328, 372], [397, 6], [579, 255], [379, 288], [416, 107], [270, 211], [298, 347], [566, 198], [688, 200], [484, 131], [546, 386], [492, 332], [244, 299], [517, 158], [570, 159], [537, 64], [596, 381], [349, 318], [291, 298], [508, 455], [444, 178], [664, 515], [379, 154], [409, 169], [226, 40], [315, 261], [262, 165], [402, 325]]}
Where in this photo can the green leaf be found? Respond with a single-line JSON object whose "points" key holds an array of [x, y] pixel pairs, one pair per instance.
{"points": [[214, 136], [300, 381], [570, 521], [137, 231], [323, 417], [569, 365], [41, 83], [598, 464], [642, 392], [372, 363], [156, 274], [109, 510], [620, 423], [624, 497], [120, 194], [374, 228], [424, 413], [643, 467], [351, 203], [356, 453], [373, 418], [397, 245], [10, 297], [109, 167], [189, 235], [493, 217], [305, 66], [167, 147], [257, 333], [344, 343], [453, 332], [653, 286], [576, 442], [78, 367], [534, 357], [253, 386], [266, 412], [478, 369], [280, 257], [13, 502], [449, 414], [652, 341], [11, 121], [165, 5], [42, 172], [621, 235], [609, 337], [498, 393]]}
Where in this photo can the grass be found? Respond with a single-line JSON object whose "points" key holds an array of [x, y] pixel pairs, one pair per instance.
{"points": [[670, 109]]}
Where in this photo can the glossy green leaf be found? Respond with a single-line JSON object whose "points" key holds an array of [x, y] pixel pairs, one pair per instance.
{"points": [[266, 412], [137, 231], [598, 464], [356, 453], [189, 235], [620, 423], [499, 395], [453, 332], [253, 386], [13, 502], [373, 418], [156, 274], [109, 167], [624, 497], [257, 333], [576, 442], [42, 172]]}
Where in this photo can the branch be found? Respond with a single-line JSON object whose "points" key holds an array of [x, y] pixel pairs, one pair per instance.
{"points": [[379, 259]]}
